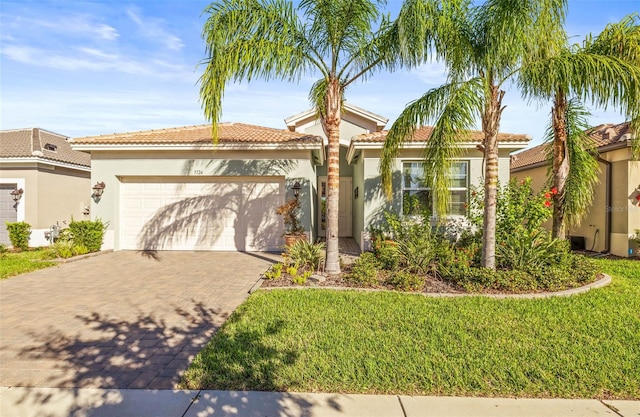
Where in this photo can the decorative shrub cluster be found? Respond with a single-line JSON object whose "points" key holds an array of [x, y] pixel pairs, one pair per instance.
{"points": [[300, 260], [81, 237], [407, 249]]}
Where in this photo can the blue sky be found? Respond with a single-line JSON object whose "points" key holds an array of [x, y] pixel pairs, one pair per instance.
{"points": [[96, 67]]}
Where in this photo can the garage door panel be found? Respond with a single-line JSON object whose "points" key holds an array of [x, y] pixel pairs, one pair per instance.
{"points": [[216, 214]]}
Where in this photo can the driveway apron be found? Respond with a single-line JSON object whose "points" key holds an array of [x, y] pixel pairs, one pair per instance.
{"points": [[120, 319]]}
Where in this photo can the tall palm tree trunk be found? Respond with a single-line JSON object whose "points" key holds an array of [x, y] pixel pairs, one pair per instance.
{"points": [[560, 161], [331, 125], [490, 127]]}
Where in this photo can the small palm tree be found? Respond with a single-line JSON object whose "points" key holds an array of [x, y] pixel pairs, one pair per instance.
{"points": [[483, 48], [604, 70], [341, 41]]}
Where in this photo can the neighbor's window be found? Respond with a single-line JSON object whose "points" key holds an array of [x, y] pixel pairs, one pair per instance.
{"points": [[417, 197]]}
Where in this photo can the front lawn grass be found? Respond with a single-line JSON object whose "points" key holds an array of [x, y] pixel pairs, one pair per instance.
{"points": [[15, 263], [584, 346]]}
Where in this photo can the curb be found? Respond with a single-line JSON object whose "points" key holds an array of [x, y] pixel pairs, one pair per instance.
{"points": [[80, 257], [602, 282]]}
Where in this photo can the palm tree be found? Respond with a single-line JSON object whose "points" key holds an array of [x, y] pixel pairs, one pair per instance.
{"points": [[339, 40], [605, 70], [483, 48]]}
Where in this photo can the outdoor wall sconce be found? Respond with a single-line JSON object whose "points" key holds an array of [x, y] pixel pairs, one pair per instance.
{"points": [[296, 189], [17, 194], [356, 192], [98, 189]]}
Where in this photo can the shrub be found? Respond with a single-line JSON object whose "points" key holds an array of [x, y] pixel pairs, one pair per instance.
{"points": [[19, 233], [87, 233], [386, 251], [292, 270], [62, 249], [79, 250], [417, 252], [405, 281], [306, 254], [301, 279], [3, 248], [364, 270], [274, 272], [527, 250]]}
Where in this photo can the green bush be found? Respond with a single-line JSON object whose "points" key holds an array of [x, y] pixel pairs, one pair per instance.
{"points": [[62, 249], [575, 270], [79, 250], [306, 254], [527, 250], [386, 251], [3, 248], [19, 233], [87, 233], [364, 270], [405, 281]]}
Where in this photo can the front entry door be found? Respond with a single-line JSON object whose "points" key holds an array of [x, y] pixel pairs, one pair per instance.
{"points": [[344, 212]]}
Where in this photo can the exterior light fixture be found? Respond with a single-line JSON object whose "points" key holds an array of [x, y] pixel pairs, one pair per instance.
{"points": [[296, 189], [98, 189], [17, 194]]}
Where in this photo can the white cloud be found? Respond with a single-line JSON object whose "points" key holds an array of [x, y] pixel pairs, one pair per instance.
{"points": [[76, 25], [431, 73], [151, 28]]}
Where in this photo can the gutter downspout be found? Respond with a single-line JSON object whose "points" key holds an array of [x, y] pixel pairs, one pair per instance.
{"points": [[608, 211]]}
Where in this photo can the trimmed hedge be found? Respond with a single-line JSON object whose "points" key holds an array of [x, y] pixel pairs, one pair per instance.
{"points": [[19, 233], [87, 234]]}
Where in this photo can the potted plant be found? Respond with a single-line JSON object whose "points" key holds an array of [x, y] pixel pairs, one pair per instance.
{"points": [[293, 229]]}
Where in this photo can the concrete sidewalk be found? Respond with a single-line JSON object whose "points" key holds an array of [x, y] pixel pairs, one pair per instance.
{"points": [[51, 402]]}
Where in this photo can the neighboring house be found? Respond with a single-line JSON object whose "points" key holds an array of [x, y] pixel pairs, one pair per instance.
{"points": [[615, 212], [54, 179], [171, 189]]}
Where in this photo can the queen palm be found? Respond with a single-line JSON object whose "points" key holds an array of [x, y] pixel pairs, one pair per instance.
{"points": [[340, 41], [605, 71], [483, 49]]}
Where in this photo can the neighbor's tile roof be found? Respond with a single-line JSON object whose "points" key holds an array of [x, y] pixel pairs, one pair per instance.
{"points": [[201, 134], [602, 135], [423, 133], [35, 142]]}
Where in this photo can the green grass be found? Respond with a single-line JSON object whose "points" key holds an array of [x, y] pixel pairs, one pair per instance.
{"points": [[585, 346], [21, 262]]}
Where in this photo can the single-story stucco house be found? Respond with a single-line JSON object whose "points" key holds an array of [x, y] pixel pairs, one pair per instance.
{"points": [[615, 212], [171, 189], [50, 182]]}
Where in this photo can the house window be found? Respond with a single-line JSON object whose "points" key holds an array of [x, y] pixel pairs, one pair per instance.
{"points": [[417, 197]]}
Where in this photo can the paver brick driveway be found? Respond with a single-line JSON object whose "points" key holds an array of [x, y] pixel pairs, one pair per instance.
{"points": [[120, 319]]}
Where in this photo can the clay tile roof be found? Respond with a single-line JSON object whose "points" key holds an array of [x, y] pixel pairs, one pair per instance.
{"points": [[602, 135], [39, 143], [423, 133], [201, 134]]}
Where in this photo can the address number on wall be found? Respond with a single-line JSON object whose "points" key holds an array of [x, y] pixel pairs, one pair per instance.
{"points": [[198, 172]]}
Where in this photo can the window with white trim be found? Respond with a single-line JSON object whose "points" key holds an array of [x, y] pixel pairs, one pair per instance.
{"points": [[417, 197]]}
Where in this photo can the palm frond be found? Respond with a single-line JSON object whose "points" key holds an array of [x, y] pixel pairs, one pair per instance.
{"points": [[583, 160], [453, 109], [247, 39]]}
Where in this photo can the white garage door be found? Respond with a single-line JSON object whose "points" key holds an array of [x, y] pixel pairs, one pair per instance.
{"points": [[215, 213]]}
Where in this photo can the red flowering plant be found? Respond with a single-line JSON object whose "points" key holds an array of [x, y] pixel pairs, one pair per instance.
{"points": [[518, 207]]}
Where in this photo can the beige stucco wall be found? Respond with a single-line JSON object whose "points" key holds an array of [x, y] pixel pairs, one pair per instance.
{"points": [[625, 218], [51, 194], [111, 166]]}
